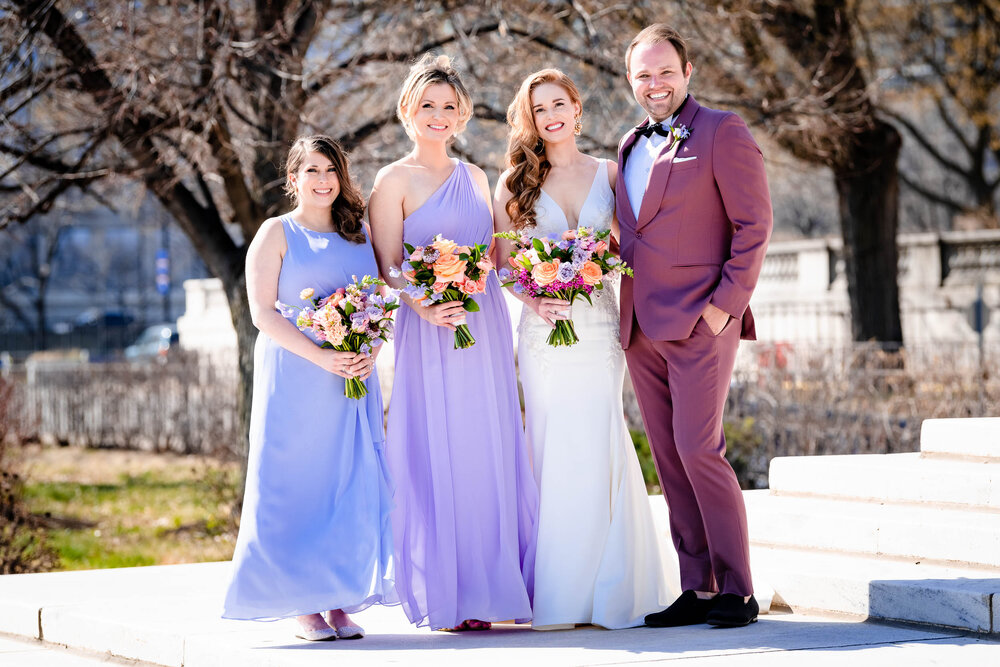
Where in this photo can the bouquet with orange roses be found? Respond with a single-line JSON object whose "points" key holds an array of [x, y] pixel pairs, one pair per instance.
{"points": [[565, 266], [445, 271], [355, 318]]}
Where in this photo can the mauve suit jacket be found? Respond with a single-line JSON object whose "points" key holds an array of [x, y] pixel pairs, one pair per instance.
{"points": [[701, 232]]}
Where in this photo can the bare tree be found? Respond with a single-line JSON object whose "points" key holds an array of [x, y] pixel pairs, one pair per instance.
{"points": [[199, 101], [944, 59], [793, 68]]}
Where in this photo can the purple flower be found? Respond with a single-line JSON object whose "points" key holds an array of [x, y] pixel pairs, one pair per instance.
{"points": [[566, 273], [504, 275], [518, 288], [358, 322], [564, 244], [374, 313], [613, 261], [413, 291], [431, 254], [285, 310], [365, 348]]}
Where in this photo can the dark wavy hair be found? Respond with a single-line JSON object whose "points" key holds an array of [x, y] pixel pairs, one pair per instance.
{"points": [[526, 150], [348, 208]]}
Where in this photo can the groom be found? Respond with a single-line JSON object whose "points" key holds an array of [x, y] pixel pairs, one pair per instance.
{"points": [[695, 219]]}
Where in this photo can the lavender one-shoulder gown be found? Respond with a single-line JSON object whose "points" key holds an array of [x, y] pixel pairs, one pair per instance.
{"points": [[466, 501]]}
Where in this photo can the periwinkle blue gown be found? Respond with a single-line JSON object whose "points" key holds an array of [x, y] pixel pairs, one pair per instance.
{"points": [[315, 531]]}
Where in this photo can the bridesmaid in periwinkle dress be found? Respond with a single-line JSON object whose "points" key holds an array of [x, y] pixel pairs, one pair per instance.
{"points": [[466, 502], [598, 559], [315, 534]]}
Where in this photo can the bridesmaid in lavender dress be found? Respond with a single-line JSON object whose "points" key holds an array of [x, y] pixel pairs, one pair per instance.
{"points": [[466, 502]]}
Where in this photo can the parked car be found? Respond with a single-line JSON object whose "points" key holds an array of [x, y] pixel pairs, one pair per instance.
{"points": [[153, 343]]}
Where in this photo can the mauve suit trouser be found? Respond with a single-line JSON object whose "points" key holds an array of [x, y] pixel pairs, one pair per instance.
{"points": [[681, 387]]}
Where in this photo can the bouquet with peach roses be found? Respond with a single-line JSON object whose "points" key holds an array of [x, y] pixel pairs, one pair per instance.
{"points": [[355, 318], [445, 271], [565, 266]]}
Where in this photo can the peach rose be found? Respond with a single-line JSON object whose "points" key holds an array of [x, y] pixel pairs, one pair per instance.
{"points": [[591, 273], [545, 272], [440, 286], [569, 234], [449, 267], [600, 247], [464, 249], [444, 246], [485, 264]]}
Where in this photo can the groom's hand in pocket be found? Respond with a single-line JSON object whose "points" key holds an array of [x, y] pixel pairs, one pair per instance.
{"points": [[715, 318]]}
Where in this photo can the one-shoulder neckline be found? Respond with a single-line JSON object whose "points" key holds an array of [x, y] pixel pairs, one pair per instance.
{"points": [[437, 191], [303, 227], [600, 163]]}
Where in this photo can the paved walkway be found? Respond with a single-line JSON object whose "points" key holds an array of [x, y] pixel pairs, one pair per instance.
{"points": [[169, 616]]}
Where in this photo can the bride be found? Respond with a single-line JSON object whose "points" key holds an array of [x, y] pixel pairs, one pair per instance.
{"points": [[598, 558]]}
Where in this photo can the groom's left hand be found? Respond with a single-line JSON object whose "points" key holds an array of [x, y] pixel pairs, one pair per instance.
{"points": [[715, 318]]}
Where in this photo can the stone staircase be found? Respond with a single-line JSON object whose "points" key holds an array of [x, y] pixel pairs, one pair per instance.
{"points": [[906, 537]]}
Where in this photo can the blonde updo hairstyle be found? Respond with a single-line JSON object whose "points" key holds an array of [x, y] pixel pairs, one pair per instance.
{"points": [[526, 150], [428, 71]]}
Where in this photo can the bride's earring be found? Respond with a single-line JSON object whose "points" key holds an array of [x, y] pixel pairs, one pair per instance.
{"points": [[578, 126]]}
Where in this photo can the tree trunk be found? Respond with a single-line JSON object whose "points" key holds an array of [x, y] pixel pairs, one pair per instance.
{"points": [[246, 337], [868, 194]]}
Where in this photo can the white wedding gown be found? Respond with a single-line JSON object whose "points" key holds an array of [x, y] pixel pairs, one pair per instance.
{"points": [[599, 558]]}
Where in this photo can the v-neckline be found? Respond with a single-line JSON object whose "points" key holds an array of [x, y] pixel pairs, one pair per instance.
{"points": [[590, 191], [436, 191]]}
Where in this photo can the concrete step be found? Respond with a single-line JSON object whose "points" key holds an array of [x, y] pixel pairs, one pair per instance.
{"points": [[919, 532], [973, 437], [895, 478], [964, 598]]}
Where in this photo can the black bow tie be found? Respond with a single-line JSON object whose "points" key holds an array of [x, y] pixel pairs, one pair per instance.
{"points": [[648, 131]]}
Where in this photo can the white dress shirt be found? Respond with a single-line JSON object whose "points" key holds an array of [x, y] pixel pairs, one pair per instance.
{"points": [[639, 165]]}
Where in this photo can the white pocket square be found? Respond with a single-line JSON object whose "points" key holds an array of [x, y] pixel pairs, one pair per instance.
{"points": [[685, 159]]}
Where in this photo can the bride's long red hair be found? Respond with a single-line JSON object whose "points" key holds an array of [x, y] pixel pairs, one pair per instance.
{"points": [[525, 149]]}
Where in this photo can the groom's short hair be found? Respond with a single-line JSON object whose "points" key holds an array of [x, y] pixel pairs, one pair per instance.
{"points": [[656, 34]]}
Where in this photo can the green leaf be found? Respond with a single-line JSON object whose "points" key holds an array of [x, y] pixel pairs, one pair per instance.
{"points": [[537, 245], [472, 306]]}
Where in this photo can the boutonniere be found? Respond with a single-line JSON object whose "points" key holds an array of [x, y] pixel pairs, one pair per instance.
{"points": [[680, 133]]}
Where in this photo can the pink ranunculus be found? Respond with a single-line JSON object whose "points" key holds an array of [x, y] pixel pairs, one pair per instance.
{"points": [[417, 254], [439, 286], [569, 234], [474, 286], [600, 247], [485, 264]]}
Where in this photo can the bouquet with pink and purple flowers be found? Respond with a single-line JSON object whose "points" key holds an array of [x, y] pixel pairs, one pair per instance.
{"points": [[355, 318], [444, 271], [564, 266]]}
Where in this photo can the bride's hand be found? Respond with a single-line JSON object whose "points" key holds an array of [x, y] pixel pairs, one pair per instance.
{"points": [[448, 314], [550, 309]]}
